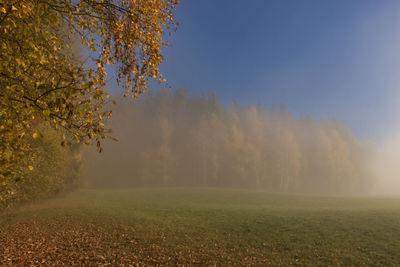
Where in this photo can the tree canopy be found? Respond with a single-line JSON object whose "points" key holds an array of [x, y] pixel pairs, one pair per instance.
{"points": [[42, 80]]}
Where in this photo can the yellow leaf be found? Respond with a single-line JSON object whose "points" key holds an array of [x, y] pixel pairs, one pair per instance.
{"points": [[35, 135], [30, 168]]}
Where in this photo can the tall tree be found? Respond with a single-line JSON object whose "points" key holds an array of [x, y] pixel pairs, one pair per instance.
{"points": [[42, 80]]}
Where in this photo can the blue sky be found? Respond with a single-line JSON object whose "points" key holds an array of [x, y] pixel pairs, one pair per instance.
{"points": [[336, 58]]}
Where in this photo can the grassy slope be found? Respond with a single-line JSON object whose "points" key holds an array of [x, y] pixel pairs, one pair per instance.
{"points": [[207, 226]]}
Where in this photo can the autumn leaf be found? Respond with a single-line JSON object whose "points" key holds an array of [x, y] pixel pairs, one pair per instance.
{"points": [[35, 135]]}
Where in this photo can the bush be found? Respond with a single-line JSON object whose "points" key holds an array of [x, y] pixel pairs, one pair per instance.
{"points": [[46, 170]]}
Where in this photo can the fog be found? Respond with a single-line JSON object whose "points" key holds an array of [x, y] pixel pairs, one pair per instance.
{"points": [[172, 139], [386, 166]]}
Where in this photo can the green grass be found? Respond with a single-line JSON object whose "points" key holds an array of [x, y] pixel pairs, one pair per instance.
{"points": [[203, 226]]}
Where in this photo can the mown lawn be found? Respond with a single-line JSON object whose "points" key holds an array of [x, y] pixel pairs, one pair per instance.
{"points": [[202, 227]]}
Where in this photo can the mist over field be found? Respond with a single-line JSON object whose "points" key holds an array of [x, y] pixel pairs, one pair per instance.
{"points": [[172, 139], [101, 165], [385, 165]]}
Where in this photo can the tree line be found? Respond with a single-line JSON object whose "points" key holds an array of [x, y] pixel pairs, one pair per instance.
{"points": [[172, 139]]}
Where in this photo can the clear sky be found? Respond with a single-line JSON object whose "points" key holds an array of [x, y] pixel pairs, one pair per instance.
{"points": [[334, 58]]}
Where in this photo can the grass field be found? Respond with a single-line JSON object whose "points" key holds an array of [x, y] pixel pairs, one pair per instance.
{"points": [[202, 226]]}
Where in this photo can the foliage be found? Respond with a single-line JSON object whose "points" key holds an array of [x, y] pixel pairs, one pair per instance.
{"points": [[41, 78], [48, 169], [173, 139]]}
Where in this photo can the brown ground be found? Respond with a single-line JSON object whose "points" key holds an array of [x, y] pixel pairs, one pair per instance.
{"points": [[78, 241], [62, 243]]}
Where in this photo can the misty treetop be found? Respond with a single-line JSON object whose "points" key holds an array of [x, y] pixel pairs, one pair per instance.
{"points": [[171, 139]]}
